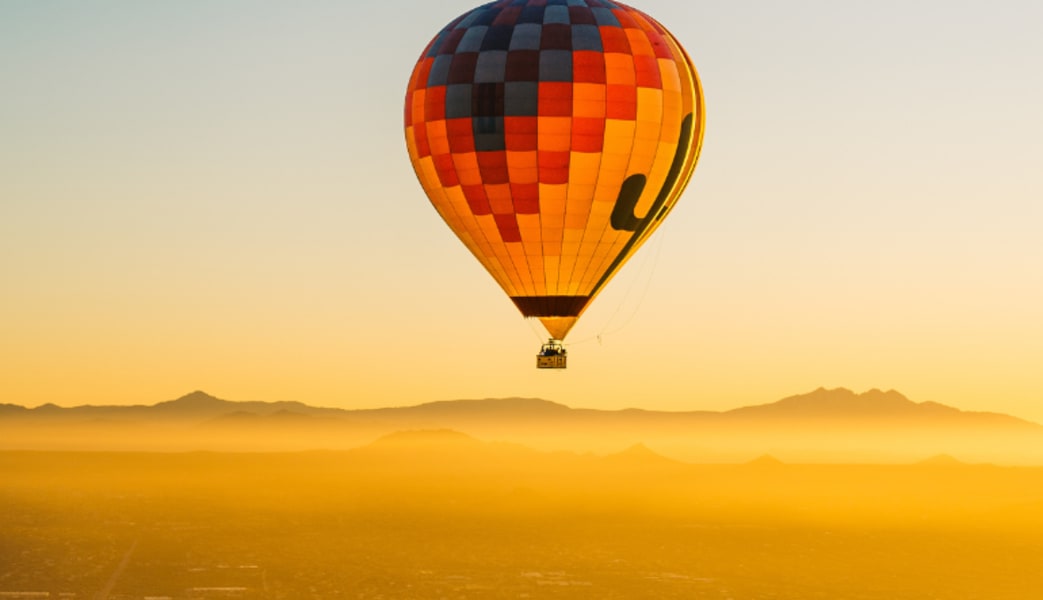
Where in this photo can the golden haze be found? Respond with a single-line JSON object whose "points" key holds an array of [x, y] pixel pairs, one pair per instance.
{"points": [[437, 513]]}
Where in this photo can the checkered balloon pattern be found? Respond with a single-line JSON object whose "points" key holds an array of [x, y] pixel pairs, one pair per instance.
{"points": [[553, 136]]}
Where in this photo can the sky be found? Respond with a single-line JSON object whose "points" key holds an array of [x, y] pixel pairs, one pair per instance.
{"points": [[216, 196]]}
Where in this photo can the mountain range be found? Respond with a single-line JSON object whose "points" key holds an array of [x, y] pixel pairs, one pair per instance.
{"points": [[821, 404], [821, 425]]}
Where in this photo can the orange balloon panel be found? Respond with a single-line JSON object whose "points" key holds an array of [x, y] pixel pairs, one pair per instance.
{"points": [[553, 136]]}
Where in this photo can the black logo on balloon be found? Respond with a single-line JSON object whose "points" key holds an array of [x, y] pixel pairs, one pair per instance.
{"points": [[623, 217]]}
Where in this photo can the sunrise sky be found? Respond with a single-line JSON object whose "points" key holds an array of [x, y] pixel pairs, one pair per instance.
{"points": [[217, 196]]}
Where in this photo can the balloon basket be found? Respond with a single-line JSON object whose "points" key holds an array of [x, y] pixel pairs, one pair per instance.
{"points": [[552, 355]]}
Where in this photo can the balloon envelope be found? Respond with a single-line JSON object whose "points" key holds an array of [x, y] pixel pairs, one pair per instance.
{"points": [[553, 136]]}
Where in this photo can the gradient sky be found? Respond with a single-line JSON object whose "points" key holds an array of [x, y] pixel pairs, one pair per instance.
{"points": [[217, 196]]}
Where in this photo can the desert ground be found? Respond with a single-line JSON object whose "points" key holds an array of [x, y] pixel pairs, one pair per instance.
{"points": [[439, 514]]}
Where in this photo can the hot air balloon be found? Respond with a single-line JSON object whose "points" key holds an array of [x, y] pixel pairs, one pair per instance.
{"points": [[553, 137]]}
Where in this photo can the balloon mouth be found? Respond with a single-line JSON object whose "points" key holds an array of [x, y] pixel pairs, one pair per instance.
{"points": [[557, 313], [551, 306]]}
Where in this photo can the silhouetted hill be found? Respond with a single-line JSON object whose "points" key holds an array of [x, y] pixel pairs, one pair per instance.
{"points": [[197, 405], [766, 460], [195, 402], [941, 460], [12, 410], [844, 403], [523, 408], [445, 453], [836, 424], [839, 403], [203, 407]]}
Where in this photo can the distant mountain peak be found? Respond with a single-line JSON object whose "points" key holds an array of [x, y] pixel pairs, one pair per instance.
{"points": [[765, 460], [533, 404], [639, 454], [840, 402], [842, 394], [639, 450], [197, 403], [941, 460], [197, 398]]}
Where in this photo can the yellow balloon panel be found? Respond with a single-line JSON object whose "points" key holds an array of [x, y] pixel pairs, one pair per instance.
{"points": [[553, 140]]}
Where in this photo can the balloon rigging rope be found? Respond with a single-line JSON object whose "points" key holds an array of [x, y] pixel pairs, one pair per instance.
{"points": [[532, 325], [633, 283], [644, 289]]}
